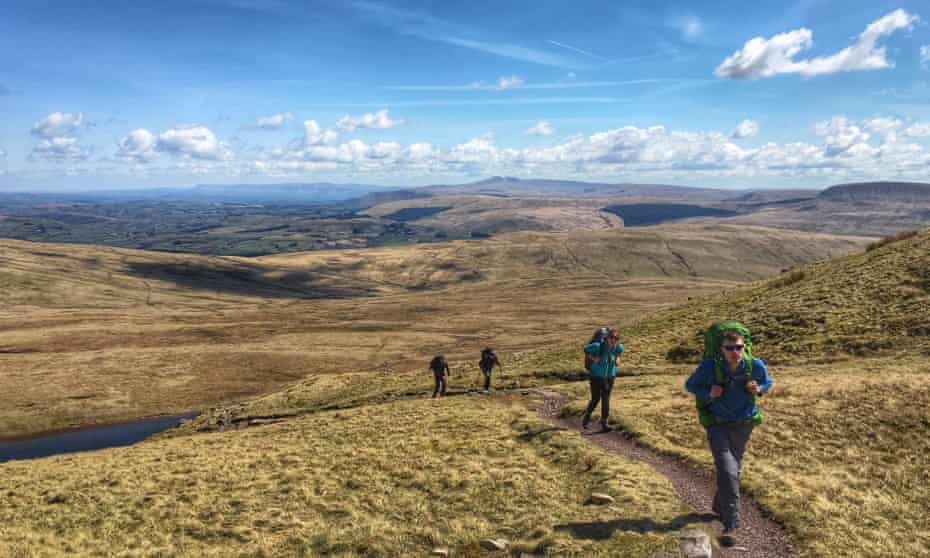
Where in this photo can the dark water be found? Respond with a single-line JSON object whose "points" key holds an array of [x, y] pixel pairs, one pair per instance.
{"points": [[87, 439]]}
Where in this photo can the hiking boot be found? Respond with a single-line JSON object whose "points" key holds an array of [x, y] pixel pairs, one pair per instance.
{"points": [[585, 422], [728, 538], [606, 427]]}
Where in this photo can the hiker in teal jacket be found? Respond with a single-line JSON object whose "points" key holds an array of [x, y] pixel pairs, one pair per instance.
{"points": [[732, 414], [604, 354]]}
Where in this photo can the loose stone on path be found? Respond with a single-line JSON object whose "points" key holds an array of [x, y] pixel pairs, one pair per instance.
{"points": [[494, 544], [601, 498]]}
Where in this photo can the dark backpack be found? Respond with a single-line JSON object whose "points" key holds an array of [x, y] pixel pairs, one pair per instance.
{"points": [[600, 335], [438, 364], [488, 359]]}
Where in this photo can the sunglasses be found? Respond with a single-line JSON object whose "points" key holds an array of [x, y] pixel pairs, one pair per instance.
{"points": [[733, 347]]}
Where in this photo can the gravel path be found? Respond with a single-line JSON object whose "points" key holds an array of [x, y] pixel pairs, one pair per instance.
{"points": [[758, 537]]}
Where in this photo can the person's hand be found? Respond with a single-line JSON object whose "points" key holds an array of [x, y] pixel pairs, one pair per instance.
{"points": [[753, 387], [716, 391]]}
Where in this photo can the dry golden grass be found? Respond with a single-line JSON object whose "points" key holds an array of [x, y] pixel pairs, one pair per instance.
{"points": [[496, 214], [94, 335], [841, 459], [389, 480]]}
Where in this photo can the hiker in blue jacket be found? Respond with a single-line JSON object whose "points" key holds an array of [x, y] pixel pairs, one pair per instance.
{"points": [[728, 406], [603, 354]]}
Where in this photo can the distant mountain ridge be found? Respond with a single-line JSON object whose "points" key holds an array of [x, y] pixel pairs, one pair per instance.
{"points": [[908, 192], [508, 185]]}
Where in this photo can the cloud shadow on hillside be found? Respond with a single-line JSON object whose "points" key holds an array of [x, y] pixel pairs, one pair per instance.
{"points": [[246, 281]]}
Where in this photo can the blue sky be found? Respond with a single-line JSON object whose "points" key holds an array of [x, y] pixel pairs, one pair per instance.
{"points": [[728, 94]]}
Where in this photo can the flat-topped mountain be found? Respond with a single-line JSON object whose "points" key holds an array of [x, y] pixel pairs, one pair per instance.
{"points": [[901, 192], [510, 186]]}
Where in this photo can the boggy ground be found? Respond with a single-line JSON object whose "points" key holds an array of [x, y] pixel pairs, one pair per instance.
{"points": [[97, 335]]}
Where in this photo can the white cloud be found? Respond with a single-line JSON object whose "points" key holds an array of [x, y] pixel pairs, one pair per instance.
{"points": [[197, 142], [541, 128], [509, 82], [925, 55], [139, 146], [877, 147], [918, 130], [372, 120], [840, 135], [59, 149], [58, 124], [315, 135], [761, 57], [689, 26], [2, 153], [273, 122], [886, 127], [745, 129]]}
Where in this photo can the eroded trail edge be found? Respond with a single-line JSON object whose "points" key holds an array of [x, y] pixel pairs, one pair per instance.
{"points": [[758, 537]]}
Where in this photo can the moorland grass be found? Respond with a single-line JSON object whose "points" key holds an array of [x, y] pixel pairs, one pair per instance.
{"points": [[840, 458], [389, 480], [99, 335]]}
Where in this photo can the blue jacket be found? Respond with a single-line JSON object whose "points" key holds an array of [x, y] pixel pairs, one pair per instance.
{"points": [[607, 367], [735, 404]]}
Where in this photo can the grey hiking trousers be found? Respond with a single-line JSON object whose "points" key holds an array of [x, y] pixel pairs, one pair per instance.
{"points": [[728, 442]]}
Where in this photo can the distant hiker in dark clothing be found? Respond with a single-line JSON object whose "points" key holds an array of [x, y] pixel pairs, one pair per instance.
{"points": [[440, 368], [726, 384], [601, 356], [487, 363]]}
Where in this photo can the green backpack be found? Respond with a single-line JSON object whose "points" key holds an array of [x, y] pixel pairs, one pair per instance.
{"points": [[713, 339]]}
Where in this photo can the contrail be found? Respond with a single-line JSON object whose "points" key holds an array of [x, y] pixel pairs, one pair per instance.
{"points": [[586, 53]]}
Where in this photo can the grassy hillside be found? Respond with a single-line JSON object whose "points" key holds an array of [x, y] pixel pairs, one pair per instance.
{"points": [[841, 457], [355, 471], [116, 334], [718, 252], [871, 208], [491, 214], [379, 481]]}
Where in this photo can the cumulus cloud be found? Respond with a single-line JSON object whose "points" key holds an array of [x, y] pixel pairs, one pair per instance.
{"points": [[839, 135], [273, 122], [745, 129], [315, 135], [139, 146], [373, 121], [59, 149], [509, 82], [197, 142], [918, 130], [886, 127], [58, 124], [761, 57], [925, 55], [541, 128], [879, 147]]}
